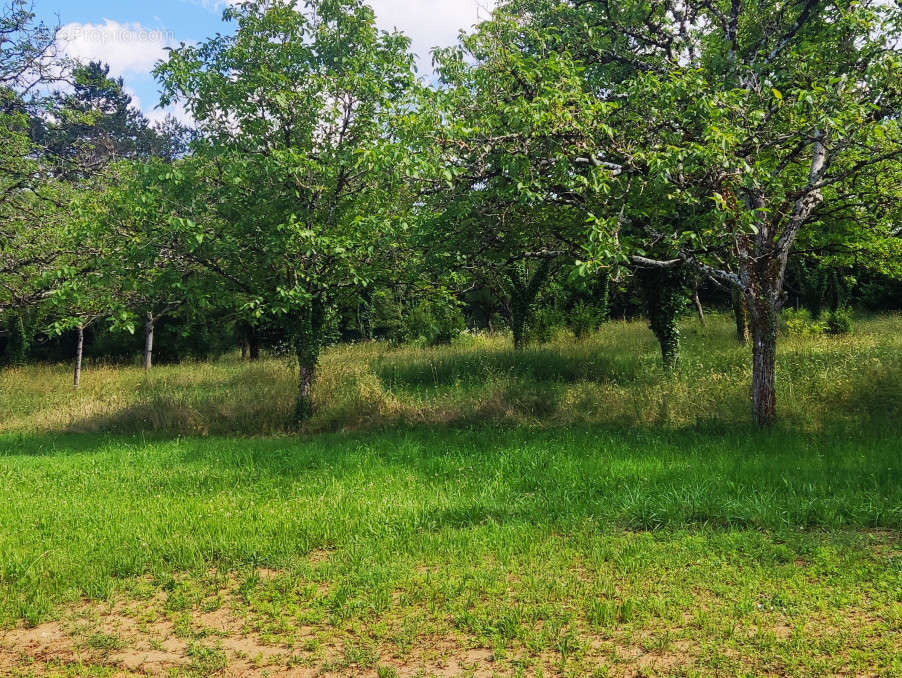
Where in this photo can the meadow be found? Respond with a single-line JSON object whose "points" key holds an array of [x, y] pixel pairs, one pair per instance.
{"points": [[460, 510]]}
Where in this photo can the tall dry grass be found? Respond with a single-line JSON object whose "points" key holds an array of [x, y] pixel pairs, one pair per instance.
{"points": [[612, 377]]}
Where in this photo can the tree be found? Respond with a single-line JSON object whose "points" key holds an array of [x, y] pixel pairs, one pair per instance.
{"points": [[83, 140], [769, 112], [138, 273], [94, 123], [28, 55], [499, 198], [296, 166], [31, 218]]}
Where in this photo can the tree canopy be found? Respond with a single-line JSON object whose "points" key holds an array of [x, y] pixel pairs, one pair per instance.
{"points": [[653, 145]]}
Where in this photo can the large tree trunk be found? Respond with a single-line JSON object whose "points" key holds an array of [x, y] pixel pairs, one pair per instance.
{"points": [[519, 314], [764, 361], [79, 352], [148, 341], [308, 344]]}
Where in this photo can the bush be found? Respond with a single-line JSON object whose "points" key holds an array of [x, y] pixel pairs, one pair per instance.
{"points": [[799, 323], [433, 323], [584, 319], [545, 323], [17, 343], [839, 321]]}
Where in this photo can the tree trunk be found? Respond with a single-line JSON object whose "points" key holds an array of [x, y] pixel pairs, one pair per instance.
{"points": [[306, 374], [253, 343], [148, 341], [525, 291], [250, 342], [698, 305], [308, 344], [764, 360], [604, 296], [519, 314], [741, 314], [79, 351], [665, 294]]}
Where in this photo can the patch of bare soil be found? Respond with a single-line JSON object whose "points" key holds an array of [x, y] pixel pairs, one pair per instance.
{"points": [[140, 639], [217, 634]]}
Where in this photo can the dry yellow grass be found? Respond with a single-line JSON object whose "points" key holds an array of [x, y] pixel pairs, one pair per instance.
{"points": [[612, 378]]}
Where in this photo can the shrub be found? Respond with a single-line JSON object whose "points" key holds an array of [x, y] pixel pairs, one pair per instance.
{"points": [[545, 323], [433, 323], [584, 319], [17, 344], [839, 321], [799, 323]]}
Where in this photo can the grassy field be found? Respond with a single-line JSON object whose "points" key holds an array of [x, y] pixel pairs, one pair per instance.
{"points": [[460, 511], [612, 379]]}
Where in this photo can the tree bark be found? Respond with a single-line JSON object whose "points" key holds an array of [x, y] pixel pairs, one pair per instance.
{"points": [[306, 374], [698, 306], [741, 314], [79, 352], [665, 295], [254, 344], [308, 344], [604, 296], [764, 361], [250, 344], [525, 291], [519, 314], [148, 341]]}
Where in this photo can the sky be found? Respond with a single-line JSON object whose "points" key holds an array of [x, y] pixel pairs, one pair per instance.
{"points": [[132, 35]]}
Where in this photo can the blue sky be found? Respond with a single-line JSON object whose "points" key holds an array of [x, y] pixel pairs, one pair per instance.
{"points": [[132, 36]]}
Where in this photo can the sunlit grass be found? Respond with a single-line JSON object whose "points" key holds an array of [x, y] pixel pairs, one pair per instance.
{"points": [[566, 549], [611, 378], [567, 511]]}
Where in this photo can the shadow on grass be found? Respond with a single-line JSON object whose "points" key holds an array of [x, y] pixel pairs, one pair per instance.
{"points": [[536, 365], [632, 479]]}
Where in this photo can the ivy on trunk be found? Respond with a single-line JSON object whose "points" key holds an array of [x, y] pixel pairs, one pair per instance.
{"points": [[664, 293]]}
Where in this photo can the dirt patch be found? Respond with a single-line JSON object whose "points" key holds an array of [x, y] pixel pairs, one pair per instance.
{"points": [[140, 638], [210, 629], [47, 642]]}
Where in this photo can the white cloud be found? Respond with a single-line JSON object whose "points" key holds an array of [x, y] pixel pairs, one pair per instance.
{"points": [[177, 111], [126, 47], [136, 100], [131, 49], [158, 115], [430, 23]]}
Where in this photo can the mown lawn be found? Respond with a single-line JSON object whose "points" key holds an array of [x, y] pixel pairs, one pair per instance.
{"points": [[568, 512], [575, 552]]}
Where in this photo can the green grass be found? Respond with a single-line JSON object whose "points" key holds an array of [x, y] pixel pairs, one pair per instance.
{"points": [[532, 543], [544, 539], [612, 378]]}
